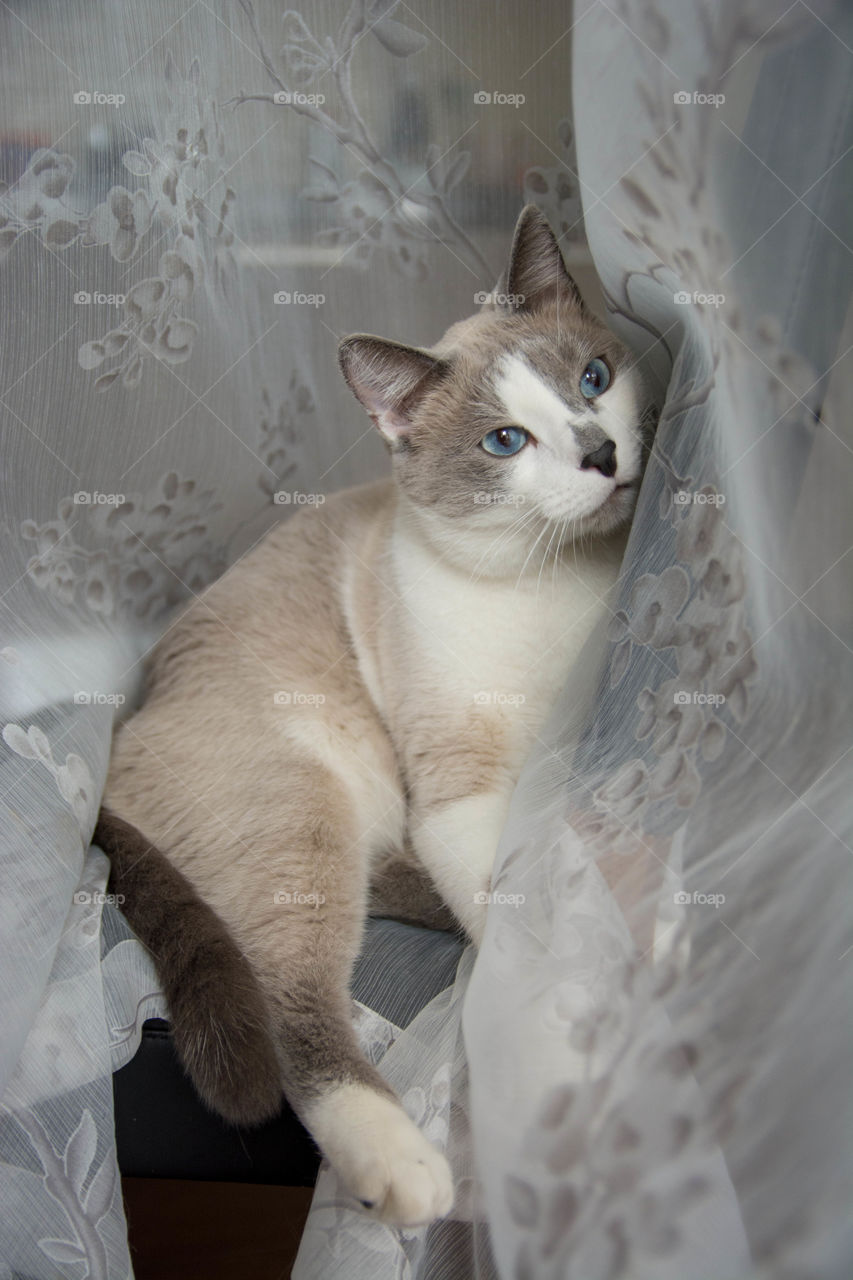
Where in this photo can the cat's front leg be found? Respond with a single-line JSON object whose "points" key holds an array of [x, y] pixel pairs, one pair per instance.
{"points": [[456, 840]]}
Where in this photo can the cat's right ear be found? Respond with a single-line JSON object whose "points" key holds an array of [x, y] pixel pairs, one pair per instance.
{"points": [[389, 379]]}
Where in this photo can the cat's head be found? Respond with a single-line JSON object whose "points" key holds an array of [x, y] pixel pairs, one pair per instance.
{"points": [[527, 415]]}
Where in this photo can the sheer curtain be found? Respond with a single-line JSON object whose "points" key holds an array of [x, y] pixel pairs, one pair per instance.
{"points": [[645, 1070]]}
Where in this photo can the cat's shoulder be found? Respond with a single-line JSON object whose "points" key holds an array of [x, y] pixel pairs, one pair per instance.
{"points": [[317, 516]]}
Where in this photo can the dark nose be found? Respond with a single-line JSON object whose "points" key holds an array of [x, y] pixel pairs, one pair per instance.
{"points": [[603, 459]]}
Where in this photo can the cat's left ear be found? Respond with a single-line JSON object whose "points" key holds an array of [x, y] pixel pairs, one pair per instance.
{"points": [[536, 273], [389, 379]]}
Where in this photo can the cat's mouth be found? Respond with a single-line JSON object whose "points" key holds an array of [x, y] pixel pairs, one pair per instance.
{"points": [[616, 509], [628, 487]]}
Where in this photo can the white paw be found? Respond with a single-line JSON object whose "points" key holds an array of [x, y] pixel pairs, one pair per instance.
{"points": [[383, 1157]]}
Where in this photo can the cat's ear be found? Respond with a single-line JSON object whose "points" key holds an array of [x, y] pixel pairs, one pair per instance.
{"points": [[389, 379], [536, 273]]}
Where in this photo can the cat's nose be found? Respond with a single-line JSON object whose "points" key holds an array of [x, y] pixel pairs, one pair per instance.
{"points": [[603, 459]]}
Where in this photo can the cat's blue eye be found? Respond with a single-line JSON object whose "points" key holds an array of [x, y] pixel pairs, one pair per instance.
{"points": [[594, 379], [505, 441]]}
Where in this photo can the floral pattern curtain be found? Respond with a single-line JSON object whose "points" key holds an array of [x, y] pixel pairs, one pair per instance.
{"points": [[645, 1070]]}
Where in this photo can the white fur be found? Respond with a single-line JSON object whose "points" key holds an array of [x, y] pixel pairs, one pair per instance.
{"points": [[383, 1158], [457, 845], [548, 473], [501, 644], [359, 768], [499, 635]]}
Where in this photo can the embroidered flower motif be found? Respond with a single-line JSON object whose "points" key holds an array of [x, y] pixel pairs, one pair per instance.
{"points": [[577, 1191], [122, 219], [149, 550], [73, 779], [655, 602], [152, 326], [378, 210], [37, 203], [555, 189], [282, 433], [693, 609], [700, 532], [186, 192]]}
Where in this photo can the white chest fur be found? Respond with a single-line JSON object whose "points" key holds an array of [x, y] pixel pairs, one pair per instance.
{"points": [[503, 643]]}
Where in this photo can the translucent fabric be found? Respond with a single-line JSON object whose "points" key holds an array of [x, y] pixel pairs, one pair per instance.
{"points": [[645, 1071]]}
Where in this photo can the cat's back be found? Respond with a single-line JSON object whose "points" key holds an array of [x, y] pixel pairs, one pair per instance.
{"points": [[278, 608]]}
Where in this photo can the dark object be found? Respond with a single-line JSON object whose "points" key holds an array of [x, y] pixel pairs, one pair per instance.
{"points": [[214, 1230], [603, 459]]}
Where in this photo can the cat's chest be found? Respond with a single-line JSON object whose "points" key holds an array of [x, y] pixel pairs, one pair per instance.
{"points": [[496, 643]]}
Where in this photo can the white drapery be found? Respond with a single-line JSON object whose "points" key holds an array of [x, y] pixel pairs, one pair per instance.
{"points": [[645, 1070]]}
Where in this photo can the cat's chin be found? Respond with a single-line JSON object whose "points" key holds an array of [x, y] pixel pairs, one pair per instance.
{"points": [[614, 513]]}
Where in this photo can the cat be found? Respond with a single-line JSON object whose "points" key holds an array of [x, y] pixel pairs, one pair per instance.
{"points": [[351, 704]]}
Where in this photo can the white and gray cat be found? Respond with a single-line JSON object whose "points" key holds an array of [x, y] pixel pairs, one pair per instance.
{"points": [[349, 708]]}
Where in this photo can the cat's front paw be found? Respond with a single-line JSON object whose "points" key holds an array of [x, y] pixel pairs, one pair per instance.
{"points": [[385, 1160], [406, 1182]]}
